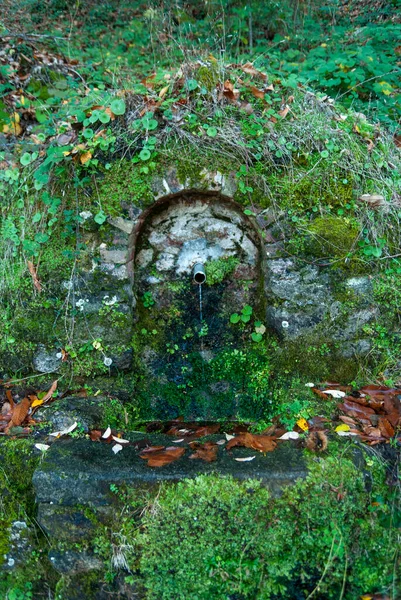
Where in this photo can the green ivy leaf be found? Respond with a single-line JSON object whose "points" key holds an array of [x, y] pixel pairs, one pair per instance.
{"points": [[118, 106], [257, 337], [245, 318], [247, 310], [211, 131], [104, 117], [324, 154], [36, 217], [235, 318]]}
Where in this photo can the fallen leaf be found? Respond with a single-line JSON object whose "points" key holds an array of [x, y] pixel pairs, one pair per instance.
{"points": [[335, 393], [249, 69], [64, 431], [107, 433], [229, 437], [206, 451], [303, 424], [85, 157], [221, 442], [290, 435], [178, 441], [120, 440], [162, 457], [262, 443], [245, 459], [95, 435], [117, 448], [346, 433], [19, 414], [42, 447], [283, 113], [343, 427]]}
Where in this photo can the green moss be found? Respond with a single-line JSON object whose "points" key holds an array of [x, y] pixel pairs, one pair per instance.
{"points": [[331, 236], [314, 357], [217, 270], [124, 183]]}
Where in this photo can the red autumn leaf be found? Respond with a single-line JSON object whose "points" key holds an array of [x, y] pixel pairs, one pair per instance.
{"points": [[353, 409], [262, 443], [206, 451], [162, 457]]}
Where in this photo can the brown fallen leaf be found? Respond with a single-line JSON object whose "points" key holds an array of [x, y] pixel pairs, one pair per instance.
{"points": [[262, 443], [283, 113], [249, 69], [206, 451], [387, 430], [163, 457], [19, 414], [95, 435], [317, 441]]}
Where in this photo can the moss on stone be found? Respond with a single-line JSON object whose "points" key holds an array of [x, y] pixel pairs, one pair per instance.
{"points": [[123, 183], [331, 236]]}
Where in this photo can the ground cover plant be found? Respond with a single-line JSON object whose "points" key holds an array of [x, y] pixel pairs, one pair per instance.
{"points": [[300, 103]]}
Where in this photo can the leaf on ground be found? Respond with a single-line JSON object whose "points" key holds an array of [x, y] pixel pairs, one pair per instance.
{"points": [[117, 448], [206, 430], [19, 414], [120, 440], [303, 424], [334, 393], [206, 451], [160, 458], [249, 69], [385, 427], [317, 441], [64, 431], [107, 433], [42, 447], [95, 435], [290, 435], [229, 436], [343, 427], [245, 459], [262, 443]]}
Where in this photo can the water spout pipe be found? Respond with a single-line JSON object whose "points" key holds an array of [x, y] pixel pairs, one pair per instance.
{"points": [[199, 273]]}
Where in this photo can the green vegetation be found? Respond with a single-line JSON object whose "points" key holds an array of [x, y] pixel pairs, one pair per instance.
{"points": [[213, 536]]}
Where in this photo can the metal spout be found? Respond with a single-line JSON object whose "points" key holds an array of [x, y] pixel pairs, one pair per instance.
{"points": [[199, 274]]}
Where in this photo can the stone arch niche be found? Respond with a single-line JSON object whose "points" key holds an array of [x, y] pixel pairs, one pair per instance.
{"points": [[190, 358]]}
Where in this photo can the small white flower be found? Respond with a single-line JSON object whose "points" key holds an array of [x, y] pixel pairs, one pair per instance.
{"points": [[311, 385], [85, 215], [59, 355], [107, 361], [80, 304], [285, 324]]}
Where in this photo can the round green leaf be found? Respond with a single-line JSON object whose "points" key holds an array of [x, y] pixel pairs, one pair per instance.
{"points": [[324, 154], [25, 159], [247, 310], [257, 337], [41, 238], [192, 84], [100, 217], [118, 106], [144, 154], [36, 217], [88, 133], [235, 318], [104, 117], [245, 318], [211, 131]]}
